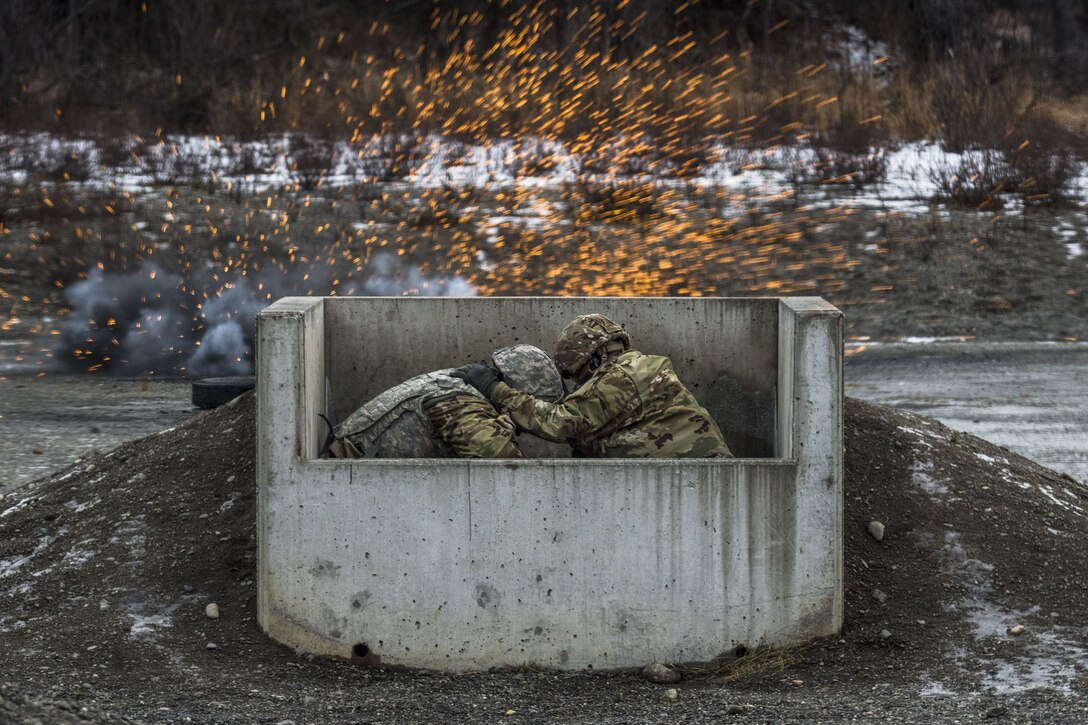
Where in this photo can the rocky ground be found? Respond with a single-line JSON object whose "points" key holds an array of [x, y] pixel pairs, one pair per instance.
{"points": [[107, 568]]}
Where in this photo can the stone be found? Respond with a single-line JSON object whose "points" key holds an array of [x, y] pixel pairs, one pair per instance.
{"points": [[1017, 630], [103, 605], [671, 694], [997, 303], [996, 711], [885, 634], [211, 645], [876, 530], [212, 611], [880, 596], [734, 710], [660, 674]]}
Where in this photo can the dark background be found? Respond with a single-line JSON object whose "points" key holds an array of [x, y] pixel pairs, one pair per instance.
{"points": [[958, 68]]}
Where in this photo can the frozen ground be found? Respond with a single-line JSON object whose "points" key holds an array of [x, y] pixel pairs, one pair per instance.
{"points": [[47, 422], [1029, 397]]}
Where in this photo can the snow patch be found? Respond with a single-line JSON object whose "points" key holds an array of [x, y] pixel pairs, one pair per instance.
{"points": [[1048, 659], [10, 567], [7, 624], [130, 532], [921, 477], [148, 617], [1048, 492], [78, 507], [146, 626], [19, 506], [76, 558], [935, 689]]}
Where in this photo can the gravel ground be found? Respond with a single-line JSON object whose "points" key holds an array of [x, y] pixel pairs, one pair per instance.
{"points": [[106, 568]]}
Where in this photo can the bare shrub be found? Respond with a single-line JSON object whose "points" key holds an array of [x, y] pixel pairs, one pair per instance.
{"points": [[115, 151], [530, 158], [1047, 159], [1036, 160], [246, 161], [310, 160], [736, 159], [1047, 174], [596, 162], [977, 180], [395, 157], [366, 192], [441, 207], [69, 165], [170, 165], [634, 162], [687, 157], [614, 201], [839, 168]]}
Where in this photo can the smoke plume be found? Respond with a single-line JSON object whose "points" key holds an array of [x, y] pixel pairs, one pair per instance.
{"points": [[156, 321]]}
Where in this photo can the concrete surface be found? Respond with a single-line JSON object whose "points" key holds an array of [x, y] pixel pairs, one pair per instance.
{"points": [[1030, 397], [47, 422], [565, 563]]}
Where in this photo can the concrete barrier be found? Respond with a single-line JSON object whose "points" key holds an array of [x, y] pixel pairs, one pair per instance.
{"points": [[556, 562]]}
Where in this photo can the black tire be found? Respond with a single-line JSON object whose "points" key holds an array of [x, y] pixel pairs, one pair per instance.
{"points": [[210, 393]]}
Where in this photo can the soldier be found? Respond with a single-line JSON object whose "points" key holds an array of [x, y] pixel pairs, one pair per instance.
{"points": [[435, 415], [627, 404]]}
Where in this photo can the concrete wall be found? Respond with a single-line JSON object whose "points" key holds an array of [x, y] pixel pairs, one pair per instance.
{"points": [[375, 343], [562, 563]]}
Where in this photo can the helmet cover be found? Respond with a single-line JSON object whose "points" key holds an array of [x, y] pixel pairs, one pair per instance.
{"points": [[530, 370], [583, 337]]}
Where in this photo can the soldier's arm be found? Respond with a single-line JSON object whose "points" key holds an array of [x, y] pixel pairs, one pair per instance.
{"points": [[472, 428], [588, 412]]}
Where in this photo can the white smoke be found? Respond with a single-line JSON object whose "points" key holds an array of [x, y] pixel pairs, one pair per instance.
{"points": [[152, 320]]}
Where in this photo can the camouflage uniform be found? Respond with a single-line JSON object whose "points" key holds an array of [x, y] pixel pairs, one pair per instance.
{"points": [[472, 428], [632, 405], [435, 415]]}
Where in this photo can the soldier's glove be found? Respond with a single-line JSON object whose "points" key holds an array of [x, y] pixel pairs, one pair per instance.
{"points": [[481, 377]]}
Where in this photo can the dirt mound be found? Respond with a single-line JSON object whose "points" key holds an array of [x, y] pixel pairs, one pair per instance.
{"points": [[18, 707], [977, 541], [106, 569]]}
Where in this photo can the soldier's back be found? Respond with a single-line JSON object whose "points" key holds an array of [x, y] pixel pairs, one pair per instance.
{"points": [[394, 424], [669, 423]]}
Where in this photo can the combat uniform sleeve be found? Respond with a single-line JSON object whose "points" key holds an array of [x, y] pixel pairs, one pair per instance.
{"points": [[473, 429], [595, 410]]}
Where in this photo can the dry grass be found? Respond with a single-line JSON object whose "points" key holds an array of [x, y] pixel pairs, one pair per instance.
{"points": [[751, 665], [532, 73], [1069, 112]]}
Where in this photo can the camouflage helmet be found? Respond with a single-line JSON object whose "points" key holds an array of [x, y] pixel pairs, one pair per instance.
{"points": [[582, 338], [530, 370]]}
